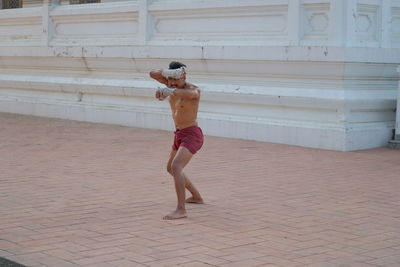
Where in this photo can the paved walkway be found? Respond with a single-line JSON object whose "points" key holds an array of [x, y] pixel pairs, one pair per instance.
{"points": [[81, 194]]}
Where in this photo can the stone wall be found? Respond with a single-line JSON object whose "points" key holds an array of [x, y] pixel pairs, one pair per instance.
{"points": [[313, 73]]}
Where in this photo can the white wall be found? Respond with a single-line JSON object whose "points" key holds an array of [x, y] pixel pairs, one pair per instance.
{"points": [[397, 135], [313, 73]]}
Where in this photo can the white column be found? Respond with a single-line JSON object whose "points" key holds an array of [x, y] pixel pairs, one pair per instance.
{"points": [[294, 22], [47, 25], [337, 22], [386, 41], [143, 22], [45, 22], [351, 22]]}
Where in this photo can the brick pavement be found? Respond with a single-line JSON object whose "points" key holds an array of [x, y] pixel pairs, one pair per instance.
{"points": [[82, 194]]}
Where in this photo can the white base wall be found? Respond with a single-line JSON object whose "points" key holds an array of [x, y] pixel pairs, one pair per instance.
{"points": [[298, 102], [333, 139]]}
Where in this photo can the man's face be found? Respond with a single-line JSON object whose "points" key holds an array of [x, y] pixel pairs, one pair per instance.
{"points": [[177, 83]]}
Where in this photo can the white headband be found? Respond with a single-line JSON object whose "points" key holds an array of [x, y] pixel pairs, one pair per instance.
{"points": [[175, 73]]}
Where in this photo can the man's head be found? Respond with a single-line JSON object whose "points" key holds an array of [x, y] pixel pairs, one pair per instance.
{"points": [[176, 65], [177, 82]]}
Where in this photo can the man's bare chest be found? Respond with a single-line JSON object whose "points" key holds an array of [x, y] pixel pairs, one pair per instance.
{"points": [[180, 104]]}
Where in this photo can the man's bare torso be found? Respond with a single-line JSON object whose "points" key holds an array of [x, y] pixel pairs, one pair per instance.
{"points": [[185, 107]]}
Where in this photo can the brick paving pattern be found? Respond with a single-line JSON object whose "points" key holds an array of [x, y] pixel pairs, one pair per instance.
{"points": [[84, 194]]}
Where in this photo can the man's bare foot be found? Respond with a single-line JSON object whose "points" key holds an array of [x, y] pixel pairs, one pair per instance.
{"points": [[177, 214], [194, 200]]}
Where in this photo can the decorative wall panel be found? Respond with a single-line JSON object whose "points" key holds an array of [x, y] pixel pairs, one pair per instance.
{"points": [[241, 25], [21, 30], [315, 22], [76, 25], [368, 23]]}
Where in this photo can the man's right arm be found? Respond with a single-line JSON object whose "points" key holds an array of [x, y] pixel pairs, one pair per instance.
{"points": [[157, 75]]}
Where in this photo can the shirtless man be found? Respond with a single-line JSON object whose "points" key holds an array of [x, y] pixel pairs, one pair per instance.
{"points": [[184, 101]]}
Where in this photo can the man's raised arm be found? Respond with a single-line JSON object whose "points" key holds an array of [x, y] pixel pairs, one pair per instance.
{"points": [[157, 75]]}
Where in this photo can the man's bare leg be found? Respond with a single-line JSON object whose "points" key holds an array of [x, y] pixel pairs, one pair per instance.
{"points": [[181, 159], [196, 197]]}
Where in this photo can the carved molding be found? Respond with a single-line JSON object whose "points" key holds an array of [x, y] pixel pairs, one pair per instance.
{"points": [[23, 31], [251, 24], [315, 22], [368, 23], [79, 25]]}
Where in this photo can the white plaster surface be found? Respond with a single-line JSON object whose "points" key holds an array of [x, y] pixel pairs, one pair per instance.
{"points": [[313, 73]]}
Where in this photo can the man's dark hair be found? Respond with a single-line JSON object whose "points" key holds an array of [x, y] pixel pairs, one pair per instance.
{"points": [[176, 65]]}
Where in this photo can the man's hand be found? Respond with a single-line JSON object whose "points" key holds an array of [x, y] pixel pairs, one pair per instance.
{"points": [[163, 93], [158, 95]]}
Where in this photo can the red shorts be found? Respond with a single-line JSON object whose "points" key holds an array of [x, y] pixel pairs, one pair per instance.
{"points": [[190, 137]]}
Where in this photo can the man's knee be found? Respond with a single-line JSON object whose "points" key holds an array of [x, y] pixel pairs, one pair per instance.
{"points": [[169, 169], [176, 167]]}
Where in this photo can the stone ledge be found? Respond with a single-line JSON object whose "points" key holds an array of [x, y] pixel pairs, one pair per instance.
{"points": [[222, 52], [254, 95]]}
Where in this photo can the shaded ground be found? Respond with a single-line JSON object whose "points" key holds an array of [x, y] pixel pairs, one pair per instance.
{"points": [[6, 263], [81, 194]]}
